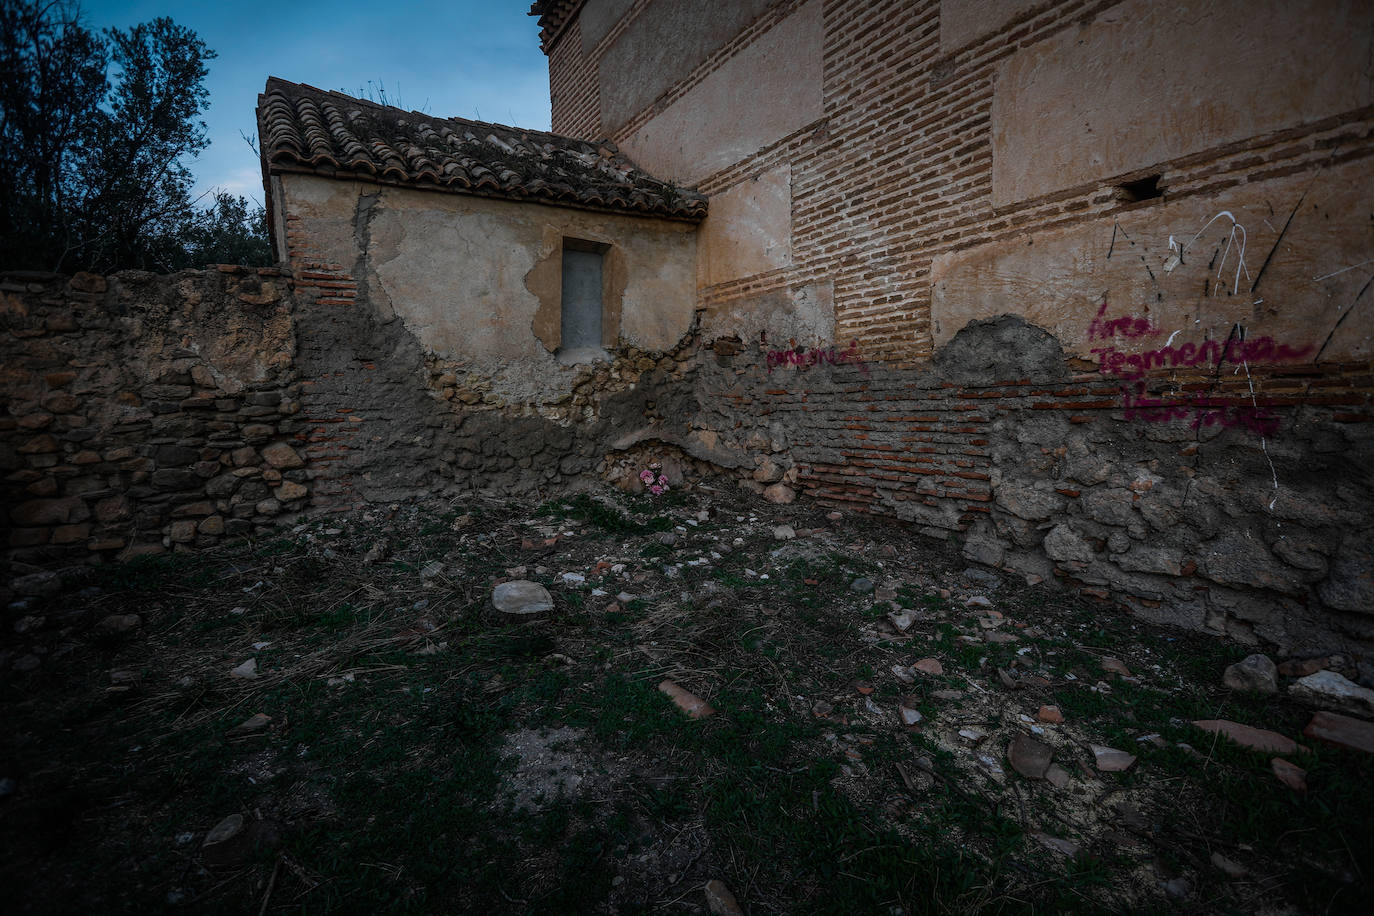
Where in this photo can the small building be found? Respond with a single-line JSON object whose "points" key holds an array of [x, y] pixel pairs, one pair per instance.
{"points": [[493, 245]]}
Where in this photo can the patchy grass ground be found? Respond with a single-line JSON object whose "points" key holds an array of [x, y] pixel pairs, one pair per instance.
{"points": [[422, 756]]}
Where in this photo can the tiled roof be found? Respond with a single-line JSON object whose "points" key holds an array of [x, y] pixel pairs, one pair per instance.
{"points": [[304, 129], [553, 15]]}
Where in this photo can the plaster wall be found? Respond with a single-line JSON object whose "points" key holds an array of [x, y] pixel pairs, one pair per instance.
{"points": [[962, 21], [1144, 82], [598, 17], [749, 229], [1285, 257], [475, 279], [769, 90], [665, 43]]}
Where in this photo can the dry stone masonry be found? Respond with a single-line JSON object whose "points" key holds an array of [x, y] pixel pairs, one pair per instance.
{"points": [[151, 413], [145, 413]]}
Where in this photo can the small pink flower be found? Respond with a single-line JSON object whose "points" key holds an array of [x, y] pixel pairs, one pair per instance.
{"points": [[663, 481], [656, 489], [646, 476]]}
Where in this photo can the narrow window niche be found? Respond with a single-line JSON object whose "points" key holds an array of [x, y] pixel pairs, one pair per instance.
{"points": [[1146, 188], [581, 331]]}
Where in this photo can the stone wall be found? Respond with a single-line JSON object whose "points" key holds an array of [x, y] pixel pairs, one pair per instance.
{"points": [[145, 412], [1237, 501], [1082, 283], [141, 413]]}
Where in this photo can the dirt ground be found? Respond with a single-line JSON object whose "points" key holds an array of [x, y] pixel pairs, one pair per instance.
{"points": [[336, 719]]}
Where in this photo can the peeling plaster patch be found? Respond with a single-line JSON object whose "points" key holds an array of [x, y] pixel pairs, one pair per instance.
{"points": [[1000, 349], [545, 282], [749, 229], [363, 269], [1065, 273], [805, 314]]}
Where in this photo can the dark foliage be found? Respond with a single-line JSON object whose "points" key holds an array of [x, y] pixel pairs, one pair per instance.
{"points": [[94, 129]]}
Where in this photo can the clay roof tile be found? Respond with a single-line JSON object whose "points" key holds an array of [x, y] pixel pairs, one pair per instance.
{"points": [[307, 129]]}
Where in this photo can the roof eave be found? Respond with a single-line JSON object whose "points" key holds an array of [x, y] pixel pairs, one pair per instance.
{"points": [[281, 168]]}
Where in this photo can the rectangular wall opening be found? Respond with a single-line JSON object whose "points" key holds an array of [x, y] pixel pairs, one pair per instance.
{"points": [[581, 314]]}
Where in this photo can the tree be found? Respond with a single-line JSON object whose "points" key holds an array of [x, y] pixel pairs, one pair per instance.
{"points": [[228, 232], [94, 128]]}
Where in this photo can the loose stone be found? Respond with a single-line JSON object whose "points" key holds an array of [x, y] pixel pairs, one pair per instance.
{"points": [[1258, 739], [249, 726], [1111, 760], [1115, 666], [1029, 757], [1290, 774], [1253, 674], [719, 900], [521, 599], [1327, 688], [1342, 731], [929, 666], [688, 702]]}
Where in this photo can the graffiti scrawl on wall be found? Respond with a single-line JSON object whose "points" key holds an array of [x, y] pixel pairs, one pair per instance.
{"points": [[802, 358], [1201, 409]]}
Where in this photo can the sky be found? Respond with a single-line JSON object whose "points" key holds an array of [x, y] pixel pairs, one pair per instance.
{"points": [[475, 59]]}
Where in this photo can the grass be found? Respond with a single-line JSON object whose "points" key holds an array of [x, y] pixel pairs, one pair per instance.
{"points": [[385, 781]]}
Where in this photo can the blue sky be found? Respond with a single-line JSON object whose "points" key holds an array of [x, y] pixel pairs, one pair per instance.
{"points": [[464, 58]]}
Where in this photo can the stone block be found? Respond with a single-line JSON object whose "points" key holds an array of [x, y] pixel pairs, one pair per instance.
{"points": [[1350, 585], [221, 486], [71, 534], [282, 456], [61, 403], [1064, 544], [175, 479], [175, 455], [290, 490], [182, 532], [39, 445], [36, 512]]}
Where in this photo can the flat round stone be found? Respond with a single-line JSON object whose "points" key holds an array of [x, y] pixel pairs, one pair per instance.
{"points": [[521, 598]]}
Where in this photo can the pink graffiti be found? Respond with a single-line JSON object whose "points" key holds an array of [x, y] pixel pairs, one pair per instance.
{"points": [[1130, 326], [1120, 364], [1199, 409], [1114, 362], [1204, 411], [802, 358]]}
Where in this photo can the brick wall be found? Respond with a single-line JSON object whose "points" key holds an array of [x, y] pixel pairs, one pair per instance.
{"points": [[1237, 504], [1230, 495]]}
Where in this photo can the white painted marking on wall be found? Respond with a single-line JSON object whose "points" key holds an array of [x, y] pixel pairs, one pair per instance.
{"points": [[1170, 341], [1264, 446], [1344, 269], [1231, 241]]}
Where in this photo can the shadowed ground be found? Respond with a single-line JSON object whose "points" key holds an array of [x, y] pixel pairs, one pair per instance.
{"points": [[398, 748]]}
